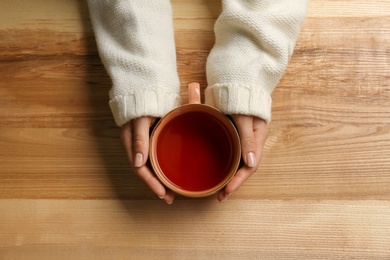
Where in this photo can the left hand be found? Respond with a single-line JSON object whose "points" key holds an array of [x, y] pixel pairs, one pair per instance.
{"points": [[253, 134], [135, 138]]}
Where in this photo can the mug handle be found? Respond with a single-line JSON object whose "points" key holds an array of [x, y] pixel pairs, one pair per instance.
{"points": [[194, 93]]}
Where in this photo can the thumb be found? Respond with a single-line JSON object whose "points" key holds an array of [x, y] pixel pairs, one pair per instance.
{"points": [[141, 140], [244, 125]]}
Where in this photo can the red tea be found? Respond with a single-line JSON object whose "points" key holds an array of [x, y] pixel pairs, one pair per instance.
{"points": [[195, 151]]}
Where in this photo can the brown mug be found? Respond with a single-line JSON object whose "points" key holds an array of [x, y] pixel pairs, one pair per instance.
{"points": [[195, 149]]}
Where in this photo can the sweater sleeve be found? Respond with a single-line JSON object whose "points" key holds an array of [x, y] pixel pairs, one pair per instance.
{"points": [[135, 40], [254, 42]]}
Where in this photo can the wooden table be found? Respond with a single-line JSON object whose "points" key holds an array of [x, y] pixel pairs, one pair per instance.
{"points": [[323, 188]]}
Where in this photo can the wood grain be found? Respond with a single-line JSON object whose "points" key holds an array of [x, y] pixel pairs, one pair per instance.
{"points": [[322, 190], [127, 229]]}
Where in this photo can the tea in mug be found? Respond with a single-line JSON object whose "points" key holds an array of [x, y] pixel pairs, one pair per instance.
{"points": [[195, 151]]}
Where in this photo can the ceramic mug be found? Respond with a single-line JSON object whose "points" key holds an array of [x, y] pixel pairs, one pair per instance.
{"points": [[195, 149]]}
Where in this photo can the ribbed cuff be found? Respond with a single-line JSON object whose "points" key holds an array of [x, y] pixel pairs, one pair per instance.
{"points": [[240, 99], [142, 103]]}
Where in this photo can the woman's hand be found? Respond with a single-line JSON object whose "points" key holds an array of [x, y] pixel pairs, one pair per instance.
{"points": [[253, 134], [135, 138]]}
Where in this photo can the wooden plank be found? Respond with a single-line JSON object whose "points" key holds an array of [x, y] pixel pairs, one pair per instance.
{"points": [[149, 229]]}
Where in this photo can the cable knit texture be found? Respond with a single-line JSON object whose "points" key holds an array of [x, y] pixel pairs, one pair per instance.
{"points": [[254, 42], [136, 44]]}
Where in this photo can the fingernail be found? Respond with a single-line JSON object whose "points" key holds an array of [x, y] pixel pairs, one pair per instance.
{"points": [[138, 160], [227, 195], [197, 91], [251, 159], [162, 197], [169, 202]]}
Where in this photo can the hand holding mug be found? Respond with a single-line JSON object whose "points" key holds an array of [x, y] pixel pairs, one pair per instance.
{"points": [[253, 134], [135, 138]]}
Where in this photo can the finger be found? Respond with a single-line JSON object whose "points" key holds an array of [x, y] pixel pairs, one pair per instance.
{"points": [[146, 175], [260, 132], [141, 140], [169, 197], [154, 184], [126, 137], [244, 125], [241, 176]]}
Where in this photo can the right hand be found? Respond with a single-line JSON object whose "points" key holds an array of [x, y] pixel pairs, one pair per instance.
{"points": [[135, 138], [253, 134]]}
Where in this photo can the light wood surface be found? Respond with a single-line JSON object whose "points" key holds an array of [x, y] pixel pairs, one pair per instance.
{"points": [[323, 188]]}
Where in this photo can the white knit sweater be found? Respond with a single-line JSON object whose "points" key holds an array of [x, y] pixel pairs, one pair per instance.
{"points": [[254, 41]]}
